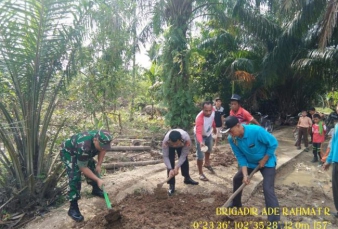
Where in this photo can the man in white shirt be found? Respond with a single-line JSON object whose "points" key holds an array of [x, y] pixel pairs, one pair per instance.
{"points": [[177, 140]]}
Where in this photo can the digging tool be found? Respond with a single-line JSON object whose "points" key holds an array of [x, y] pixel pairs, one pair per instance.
{"points": [[106, 198], [112, 215], [159, 192], [228, 202], [159, 185]]}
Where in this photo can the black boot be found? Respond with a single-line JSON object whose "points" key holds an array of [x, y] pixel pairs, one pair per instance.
{"points": [[74, 211], [171, 189], [188, 180], [315, 159], [97, 191]]}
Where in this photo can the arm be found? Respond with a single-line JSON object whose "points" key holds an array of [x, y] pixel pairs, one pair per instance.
{"points": [[88, 173], [223, 120], [245, 175], [184, 154], [100, 158], [271, 143], [185, 150], [199, 128], [249, 117], [254, 121], [165, 151], [333, 145], [214, 127]]}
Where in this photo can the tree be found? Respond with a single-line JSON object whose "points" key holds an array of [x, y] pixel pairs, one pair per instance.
{"points": [[39, 40], [174, 17], [289, 34]]}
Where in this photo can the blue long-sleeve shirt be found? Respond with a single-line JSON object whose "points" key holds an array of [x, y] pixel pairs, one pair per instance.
{"points": [[253, 146], [333, 155]]}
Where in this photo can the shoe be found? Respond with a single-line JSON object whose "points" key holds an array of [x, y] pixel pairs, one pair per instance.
{"points": [[306, 149], [299, 147], [190, 181], [203, 177], [171, 189], [335, 214], [315, 159], [97, 191], [74, 212], [209, 168]]}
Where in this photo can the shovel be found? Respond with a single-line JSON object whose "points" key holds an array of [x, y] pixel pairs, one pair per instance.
{"points": [[159, 192], [106, 198], [228, 202], [160, 185], [112, 215]]}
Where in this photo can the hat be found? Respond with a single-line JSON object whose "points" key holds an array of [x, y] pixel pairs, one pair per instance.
{"points": [[230, 122], [104, 137], [235, 97], [217, 98]]}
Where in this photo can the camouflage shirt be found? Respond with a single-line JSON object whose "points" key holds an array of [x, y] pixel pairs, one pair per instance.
{"points": [[82, 146]]}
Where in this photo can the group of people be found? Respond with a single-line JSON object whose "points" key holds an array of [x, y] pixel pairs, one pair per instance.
{"points": [[311, 123], [252, 145], [314, 126]]}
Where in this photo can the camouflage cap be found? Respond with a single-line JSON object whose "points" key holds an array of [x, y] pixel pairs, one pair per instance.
{"points": [[104, 137]]}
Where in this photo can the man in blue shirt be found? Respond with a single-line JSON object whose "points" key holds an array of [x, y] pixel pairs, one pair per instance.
{"points": [[332, 158], [253, 146]]}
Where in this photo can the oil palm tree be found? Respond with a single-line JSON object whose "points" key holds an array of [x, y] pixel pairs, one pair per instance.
{"points": [[39, 40], [290, 34], [173, 20]]}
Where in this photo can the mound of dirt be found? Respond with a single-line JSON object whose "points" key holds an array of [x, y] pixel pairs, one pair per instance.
{"points": [[225, 159], [146, 211]]}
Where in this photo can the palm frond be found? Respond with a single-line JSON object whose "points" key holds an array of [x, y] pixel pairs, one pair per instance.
{"points": [[329, 23]]}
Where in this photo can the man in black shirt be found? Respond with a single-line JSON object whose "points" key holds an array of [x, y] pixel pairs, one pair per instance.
{"points": [[219, 119]]}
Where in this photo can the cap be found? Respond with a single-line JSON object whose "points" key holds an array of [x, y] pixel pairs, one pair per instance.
{"points": [[217, 98], [104, 137], [235, 97], [230, 122]]}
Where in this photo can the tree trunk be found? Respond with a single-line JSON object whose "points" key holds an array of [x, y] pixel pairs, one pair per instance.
{"points": [[137, 163], [129, 148]]}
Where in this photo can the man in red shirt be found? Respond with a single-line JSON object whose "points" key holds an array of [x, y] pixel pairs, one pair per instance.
{"points": [[204, 127], [244, 116]]}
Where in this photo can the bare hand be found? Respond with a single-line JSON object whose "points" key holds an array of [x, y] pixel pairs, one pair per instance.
{"points": [[98, 169], [176, 170], [202, 144], [172, 173], [246, 180], [262, 163], [326, 166], [100, 183]]}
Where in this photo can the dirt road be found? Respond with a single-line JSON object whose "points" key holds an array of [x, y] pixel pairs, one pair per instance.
{"points": [[299, 184]]}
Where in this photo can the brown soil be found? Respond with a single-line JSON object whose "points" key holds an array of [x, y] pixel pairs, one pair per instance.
{"points": [[146, 211]]}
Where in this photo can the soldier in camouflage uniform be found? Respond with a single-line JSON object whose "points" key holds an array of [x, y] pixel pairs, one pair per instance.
{"points": [[77, 154]]}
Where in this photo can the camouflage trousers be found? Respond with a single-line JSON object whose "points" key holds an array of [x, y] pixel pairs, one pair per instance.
{"points": [[74, 174]]}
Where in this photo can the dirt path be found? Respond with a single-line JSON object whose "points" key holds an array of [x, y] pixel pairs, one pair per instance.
{"points": [[298, 183]]}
